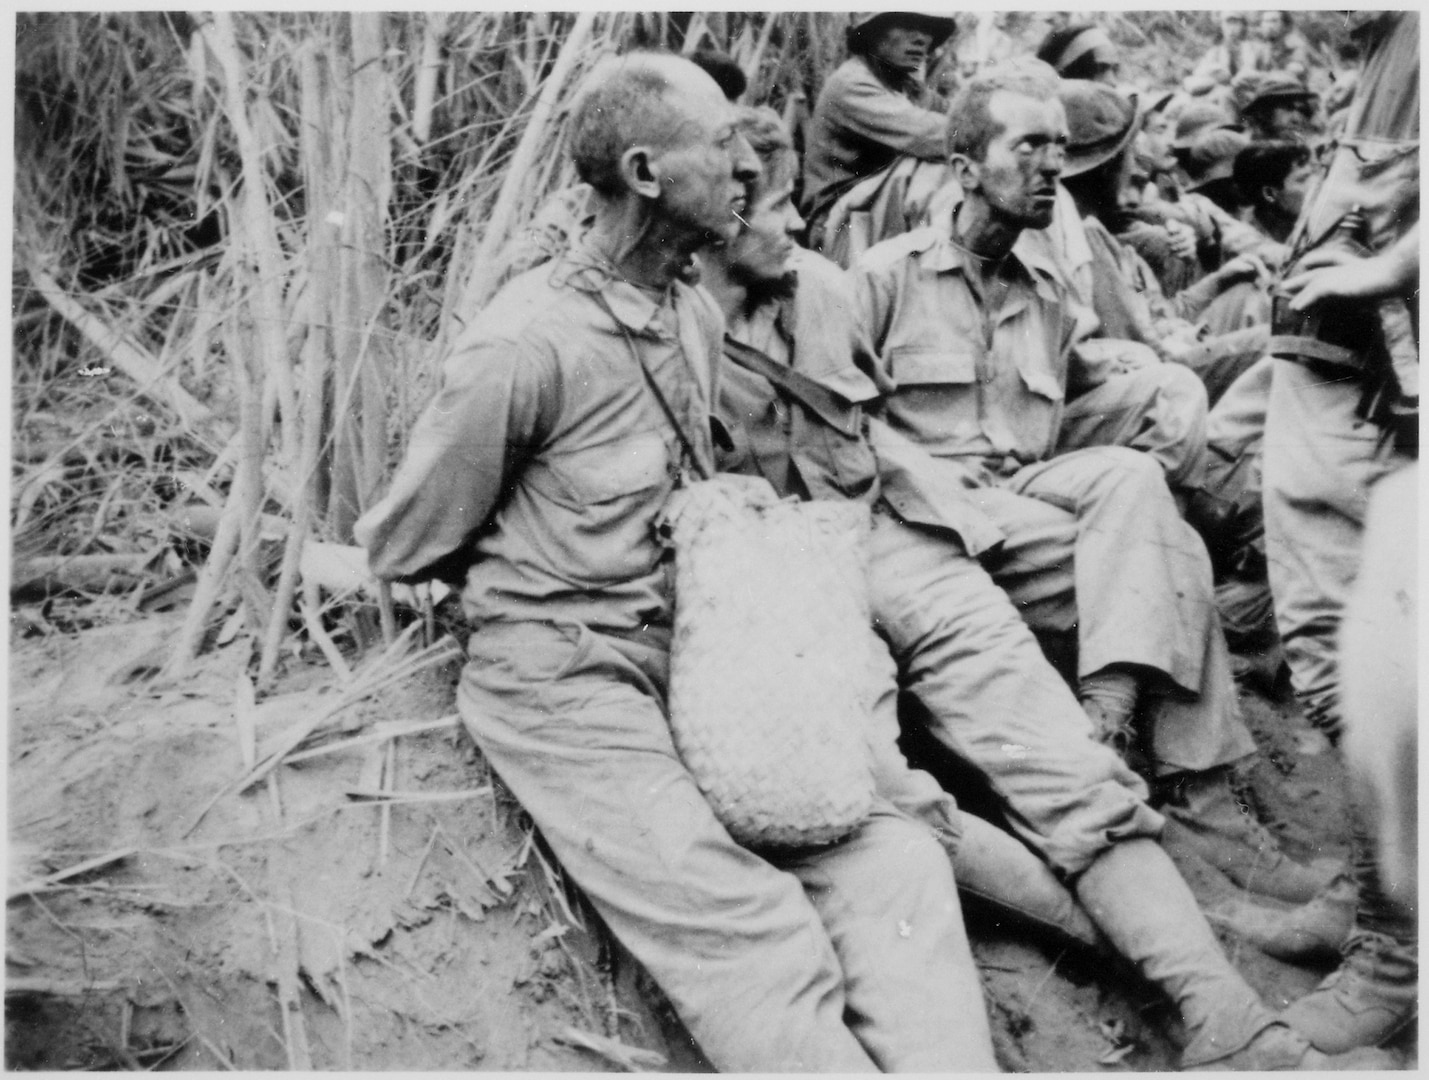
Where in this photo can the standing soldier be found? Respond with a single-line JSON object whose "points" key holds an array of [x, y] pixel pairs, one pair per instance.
{"points": [[1343, 415]]}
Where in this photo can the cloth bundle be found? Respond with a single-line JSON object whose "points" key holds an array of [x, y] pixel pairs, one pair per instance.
{"points": [[771, 678]]}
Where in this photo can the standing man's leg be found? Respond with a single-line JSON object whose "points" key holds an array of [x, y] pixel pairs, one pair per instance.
{"points": [[1320, 462]]}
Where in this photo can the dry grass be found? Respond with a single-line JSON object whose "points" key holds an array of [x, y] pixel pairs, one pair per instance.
{"points": [[242, 240], [241, 243]]}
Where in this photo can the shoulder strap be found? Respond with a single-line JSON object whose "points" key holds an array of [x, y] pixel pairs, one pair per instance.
{"points": [[818, 399], [686, 443]]}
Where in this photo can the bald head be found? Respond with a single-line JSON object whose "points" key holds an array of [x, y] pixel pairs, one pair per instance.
{"points": [[639, 99]]}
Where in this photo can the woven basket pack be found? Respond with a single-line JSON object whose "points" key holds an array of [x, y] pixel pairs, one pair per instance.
{"points": [[770, 680]]}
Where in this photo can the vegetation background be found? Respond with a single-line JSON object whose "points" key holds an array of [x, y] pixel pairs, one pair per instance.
{"points": [[241, 834], [241, 241]]}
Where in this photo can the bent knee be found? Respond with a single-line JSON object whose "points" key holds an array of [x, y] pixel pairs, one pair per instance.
{"points": [[1181, 385], [1123, 467]]}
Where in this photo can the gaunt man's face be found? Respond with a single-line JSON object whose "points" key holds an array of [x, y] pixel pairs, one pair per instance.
{"points": [[904, 48], [1272, 25], [705, 164], [1018, 175], [1290, 120], [760, 254]]}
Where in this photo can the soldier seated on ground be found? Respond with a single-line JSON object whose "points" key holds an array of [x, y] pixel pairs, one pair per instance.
{"points": [[1127, 297], [1082, 51], [1274, 178], [980, 345], [792, 386], [874, 109], [539, 472], [1276, 107], [568, 213]]}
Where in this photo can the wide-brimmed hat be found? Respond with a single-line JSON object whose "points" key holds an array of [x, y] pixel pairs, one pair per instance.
{"points": [[866, 25], [1254, 89], [1212, 156], [1100, 123], [1198, 118]]}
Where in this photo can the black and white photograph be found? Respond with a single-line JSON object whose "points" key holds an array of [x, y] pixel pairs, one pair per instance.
{"points": [[748, 541]]}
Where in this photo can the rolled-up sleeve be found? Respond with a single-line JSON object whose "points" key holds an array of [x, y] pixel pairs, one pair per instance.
{"points": [[487, 418]]}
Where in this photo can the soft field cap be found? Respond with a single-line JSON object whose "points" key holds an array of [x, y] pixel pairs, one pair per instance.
{"points": [[1100, 121]]}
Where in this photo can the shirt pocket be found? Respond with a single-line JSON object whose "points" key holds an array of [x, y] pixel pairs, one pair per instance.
{"points": [[613, 470], [1037, 356], [925, 366]]}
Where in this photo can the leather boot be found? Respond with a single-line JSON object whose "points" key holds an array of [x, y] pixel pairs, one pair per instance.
{"points": [[1279, 1048], [1312, 931], [1370, 998], [1205, 816], [997, 868], [1138, 898]]}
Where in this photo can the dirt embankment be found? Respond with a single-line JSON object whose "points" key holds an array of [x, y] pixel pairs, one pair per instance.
{"points": [[379, 902]]}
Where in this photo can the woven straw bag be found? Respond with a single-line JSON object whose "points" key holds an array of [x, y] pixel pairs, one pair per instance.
{"points": [[770, 678]]}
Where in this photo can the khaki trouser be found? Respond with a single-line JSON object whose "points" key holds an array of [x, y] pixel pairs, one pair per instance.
{"points": [[1235, 435], [1320, 462], [995, 701], [849, 958], [1095, 541], [1160, 410]]}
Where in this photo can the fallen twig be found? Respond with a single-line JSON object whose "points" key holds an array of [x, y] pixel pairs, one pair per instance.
{"points": [[380, 732], [392, 798], [629, 1058], [37, 984], [42, 884]]}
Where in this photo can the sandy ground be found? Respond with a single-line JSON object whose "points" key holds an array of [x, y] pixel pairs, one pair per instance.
{"points": [[340, 917]]}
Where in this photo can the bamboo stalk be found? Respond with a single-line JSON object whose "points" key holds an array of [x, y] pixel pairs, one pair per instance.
{"points": [[248, 484], [259, 231], [428, 71], [360, 437], [210, 584], [486, 266]]}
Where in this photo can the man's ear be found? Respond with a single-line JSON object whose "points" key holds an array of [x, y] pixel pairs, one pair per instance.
{"points": [[638, 167], [1270, 194], [966, 171]]}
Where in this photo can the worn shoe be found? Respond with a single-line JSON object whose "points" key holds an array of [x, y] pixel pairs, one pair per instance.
{"points": [[1279, 1048], [1313, 931], [1370, 998], [1205, 816]]}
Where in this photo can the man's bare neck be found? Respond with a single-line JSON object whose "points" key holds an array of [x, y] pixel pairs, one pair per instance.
{"points": [[644, 250], [976, 229]]}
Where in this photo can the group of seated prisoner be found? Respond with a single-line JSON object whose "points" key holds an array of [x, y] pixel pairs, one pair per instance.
{"points": [[1065, 340]]}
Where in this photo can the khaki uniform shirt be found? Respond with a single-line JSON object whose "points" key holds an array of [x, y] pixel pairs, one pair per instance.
{"points": [[818, 443], [982, 388], [540, 467]]}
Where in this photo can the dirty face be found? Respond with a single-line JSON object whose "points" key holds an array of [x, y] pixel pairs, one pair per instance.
{"points": [[1017, 177], [760, 254], [705, 164], [1289, 197], [1291, 120], [1272, 25], [903, 48]]}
